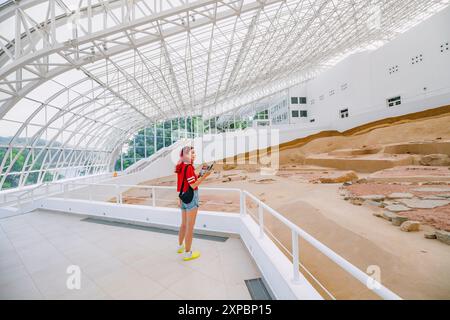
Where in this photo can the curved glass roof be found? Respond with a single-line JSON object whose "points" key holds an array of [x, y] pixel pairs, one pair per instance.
{"points": [[78, 77]]}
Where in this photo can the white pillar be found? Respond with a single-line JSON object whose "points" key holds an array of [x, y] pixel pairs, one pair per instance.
{"points": [[171, 130], [134, 148], [145, 142], [154, 137]]}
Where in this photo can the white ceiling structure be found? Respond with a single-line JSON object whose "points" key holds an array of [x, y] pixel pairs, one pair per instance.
{"points": [[78, 77]]}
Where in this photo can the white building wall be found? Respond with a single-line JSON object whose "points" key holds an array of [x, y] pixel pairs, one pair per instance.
{"points": [[344, 86], [411, 79], [363, 81]]}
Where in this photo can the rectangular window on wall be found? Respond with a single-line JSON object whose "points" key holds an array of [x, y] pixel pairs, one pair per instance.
{"points": [[343, 113], [303, 114], [395, 101], [295, 113], [294, 100], [302, 100]]}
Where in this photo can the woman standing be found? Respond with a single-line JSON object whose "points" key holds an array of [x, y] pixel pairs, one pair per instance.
{"points": [[187, 178]]}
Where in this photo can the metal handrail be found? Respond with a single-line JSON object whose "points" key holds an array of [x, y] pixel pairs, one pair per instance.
{"points": [[139, 186], [21, 194], [118, 187]]}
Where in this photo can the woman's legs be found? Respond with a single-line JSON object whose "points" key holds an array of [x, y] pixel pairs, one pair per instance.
{"points": [[182, 232], [190, 222]]}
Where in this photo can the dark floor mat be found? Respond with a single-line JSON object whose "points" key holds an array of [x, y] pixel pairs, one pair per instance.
{"points": [[258, 290], [153, 229]]}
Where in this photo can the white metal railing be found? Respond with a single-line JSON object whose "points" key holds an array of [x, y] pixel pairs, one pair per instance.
{"points": [[18, 196], [15, 198], [295, 230], [120, 189]]}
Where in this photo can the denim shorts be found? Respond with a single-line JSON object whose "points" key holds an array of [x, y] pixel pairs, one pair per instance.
{"points": [[191, 205]]}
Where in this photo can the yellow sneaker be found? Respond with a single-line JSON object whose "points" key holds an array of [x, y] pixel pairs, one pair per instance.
{"points": [[191, 255], [180, 249]]}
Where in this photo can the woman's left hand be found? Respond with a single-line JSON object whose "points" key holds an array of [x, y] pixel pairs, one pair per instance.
{"points": [[206, 174]]}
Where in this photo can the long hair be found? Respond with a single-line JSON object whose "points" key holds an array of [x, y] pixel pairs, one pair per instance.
{"points": [[184, 150]]}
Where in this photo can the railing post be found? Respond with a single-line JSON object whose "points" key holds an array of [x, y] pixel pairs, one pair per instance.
{"points": [[118, 195], [65, 186], [243, 208], [261, 220], [153, 197], [295, 257], [19, 204]]}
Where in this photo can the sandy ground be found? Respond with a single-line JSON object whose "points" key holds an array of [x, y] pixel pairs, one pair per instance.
{"points": [[438, 217], [410, 265], [405, 131], [412, 171], [413, 267]]}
